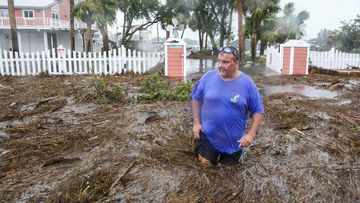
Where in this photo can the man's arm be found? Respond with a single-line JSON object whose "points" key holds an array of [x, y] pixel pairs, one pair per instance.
{"points": [[249, 137], [197, 127]]}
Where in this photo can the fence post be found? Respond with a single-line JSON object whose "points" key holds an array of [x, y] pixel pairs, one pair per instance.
{"points": [[11, 57], [28, 66], [6, 60], [32, 58], [17, 63], [38, 68]]}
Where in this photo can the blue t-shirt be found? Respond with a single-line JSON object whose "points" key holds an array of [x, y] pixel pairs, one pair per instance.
{"points": [[225, 107]]}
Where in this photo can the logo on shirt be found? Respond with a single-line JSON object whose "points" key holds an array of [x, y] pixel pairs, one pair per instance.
{"points": [[235, 98]]}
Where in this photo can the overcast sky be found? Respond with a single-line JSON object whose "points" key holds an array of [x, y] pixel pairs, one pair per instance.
{"points": [[325, 14]]}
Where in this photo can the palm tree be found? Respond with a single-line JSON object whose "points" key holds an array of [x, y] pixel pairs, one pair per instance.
{"points": [[260, 10], [85, 10], [14, 38], [105, 14], [291, 26], [239, 7], [72, 36]]}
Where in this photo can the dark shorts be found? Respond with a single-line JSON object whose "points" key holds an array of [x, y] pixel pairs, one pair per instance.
{"points": [[203, 147]]}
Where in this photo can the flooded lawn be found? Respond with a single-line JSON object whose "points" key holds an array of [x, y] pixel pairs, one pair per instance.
{"points": [[57, 145], [304, 90]]}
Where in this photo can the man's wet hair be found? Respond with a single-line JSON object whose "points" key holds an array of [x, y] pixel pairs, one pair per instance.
{"points": [[231, 50]]}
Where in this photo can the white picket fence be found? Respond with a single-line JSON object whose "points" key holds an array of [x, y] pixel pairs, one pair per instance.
{"points": [[334, 59], [61, 62]]}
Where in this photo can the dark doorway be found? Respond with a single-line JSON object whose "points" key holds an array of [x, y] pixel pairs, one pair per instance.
{"points": [[52, 40]]}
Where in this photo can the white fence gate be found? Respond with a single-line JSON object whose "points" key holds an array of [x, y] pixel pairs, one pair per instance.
{"points": [[334, 59], [63, 62]]}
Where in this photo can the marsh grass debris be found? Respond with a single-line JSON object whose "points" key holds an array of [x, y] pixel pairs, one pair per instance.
{"points": [[58, 145]]}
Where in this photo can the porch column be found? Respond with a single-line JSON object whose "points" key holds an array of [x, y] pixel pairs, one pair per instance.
{"points": [[19, 40], [46, 41]]}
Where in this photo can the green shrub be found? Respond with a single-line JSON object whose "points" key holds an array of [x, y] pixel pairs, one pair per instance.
{"points": [[183, 91], [154, 88], [102, 93]]}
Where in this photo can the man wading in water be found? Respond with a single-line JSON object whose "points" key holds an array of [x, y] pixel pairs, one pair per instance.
{"points": [[221, 101]]}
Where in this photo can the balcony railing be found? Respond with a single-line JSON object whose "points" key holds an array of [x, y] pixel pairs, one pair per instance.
{"points": [[41, 23]]}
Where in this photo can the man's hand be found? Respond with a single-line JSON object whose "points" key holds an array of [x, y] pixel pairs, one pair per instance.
{"points": [[249, 137], [197, 129], [246, 140]]}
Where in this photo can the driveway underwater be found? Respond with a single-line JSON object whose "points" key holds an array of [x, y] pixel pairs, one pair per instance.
{"points": [[56, 145]]}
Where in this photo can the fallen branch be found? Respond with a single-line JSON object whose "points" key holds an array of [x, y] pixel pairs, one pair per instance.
{"points": [[303, 135], [132, 164]]}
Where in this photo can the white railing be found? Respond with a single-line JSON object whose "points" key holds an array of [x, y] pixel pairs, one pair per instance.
{"points": [[334, 59], [62, 63], [38, 23], [273, 59]]}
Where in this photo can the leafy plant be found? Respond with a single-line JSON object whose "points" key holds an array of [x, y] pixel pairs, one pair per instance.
{"points": [[154, 88], [183, 91], [102, 93]]}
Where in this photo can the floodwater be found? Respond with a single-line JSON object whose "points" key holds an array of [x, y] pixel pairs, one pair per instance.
{"points": [[194, 66], [304, 90], [199, 65], [257, 69]]}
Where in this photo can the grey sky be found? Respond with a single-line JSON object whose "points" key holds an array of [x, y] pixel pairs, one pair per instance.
{"points": [[325, 14]]}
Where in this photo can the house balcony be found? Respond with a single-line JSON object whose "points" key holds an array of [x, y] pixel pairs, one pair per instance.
{"points": [[41, 23]]}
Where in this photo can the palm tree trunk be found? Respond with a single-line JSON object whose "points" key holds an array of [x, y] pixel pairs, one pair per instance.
{"points": [[228, 39], [240, 29], [88, 37], [105, 35], [72, 34], [253, 40], [14, 38]]}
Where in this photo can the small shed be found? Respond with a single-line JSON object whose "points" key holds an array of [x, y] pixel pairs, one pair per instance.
{"points": [[175, 58], [295, 57]]}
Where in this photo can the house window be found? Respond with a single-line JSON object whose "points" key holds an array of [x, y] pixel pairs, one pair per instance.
{"points": [[55, 16], [28, 13], [4, 13]]}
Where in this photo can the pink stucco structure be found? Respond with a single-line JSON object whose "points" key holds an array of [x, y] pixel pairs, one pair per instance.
{"points": [[175, 58], [295, 57]]}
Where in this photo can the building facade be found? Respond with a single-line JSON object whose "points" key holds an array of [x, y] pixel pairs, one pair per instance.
{"points": [[41, 25]]}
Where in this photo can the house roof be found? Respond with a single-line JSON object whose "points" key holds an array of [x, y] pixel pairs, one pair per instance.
{"points": [[35, 4]]}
